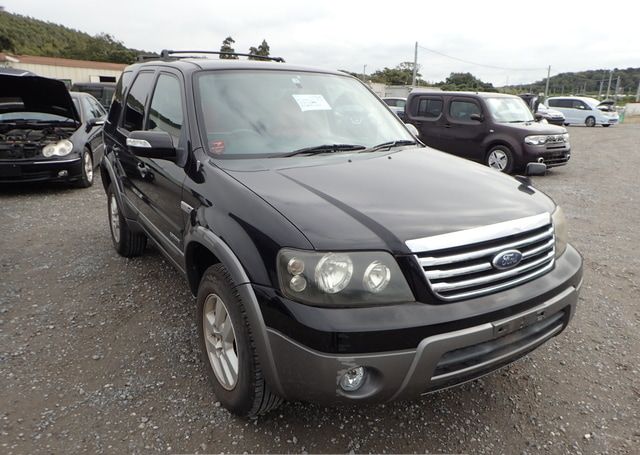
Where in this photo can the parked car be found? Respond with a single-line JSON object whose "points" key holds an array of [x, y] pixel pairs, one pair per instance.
{"points": [[582, 110], [47, 133], [333, 258], [102, 91], [397, 106], [551, 115], [495, 129]]}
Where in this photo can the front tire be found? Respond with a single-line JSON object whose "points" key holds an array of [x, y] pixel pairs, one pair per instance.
{"points": [[500, 158], [228, 349], [86, 173], [590, 122], [126, 242]]}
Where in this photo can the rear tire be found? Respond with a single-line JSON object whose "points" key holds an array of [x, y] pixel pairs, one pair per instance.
{"points": [[126, 242], [606, 126], [228, 349], [500, 158], [590, 122]]}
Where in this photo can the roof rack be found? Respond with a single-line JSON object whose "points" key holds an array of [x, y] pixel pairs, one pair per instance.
{"points": [[166, 53]]}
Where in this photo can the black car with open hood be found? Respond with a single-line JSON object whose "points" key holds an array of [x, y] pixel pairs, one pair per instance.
{"points": [[46, 132]]}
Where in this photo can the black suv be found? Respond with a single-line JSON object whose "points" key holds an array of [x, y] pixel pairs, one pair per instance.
{"points": [[492, 128], [333, 258]]}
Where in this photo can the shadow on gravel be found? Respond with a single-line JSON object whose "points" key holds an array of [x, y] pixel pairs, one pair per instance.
{"points": [[18, 189]]}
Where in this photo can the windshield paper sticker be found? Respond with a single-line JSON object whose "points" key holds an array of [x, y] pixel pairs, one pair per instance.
{"points": [[312, 103]]}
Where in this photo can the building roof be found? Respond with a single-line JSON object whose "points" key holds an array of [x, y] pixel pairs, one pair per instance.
{"points": [[55, 61]]}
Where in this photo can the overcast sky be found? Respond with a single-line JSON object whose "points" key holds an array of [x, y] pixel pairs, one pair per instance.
{"points": [[524, 37]]}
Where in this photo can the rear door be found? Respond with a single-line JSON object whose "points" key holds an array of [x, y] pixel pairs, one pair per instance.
{"points": [[462, 136], [426, 114]]}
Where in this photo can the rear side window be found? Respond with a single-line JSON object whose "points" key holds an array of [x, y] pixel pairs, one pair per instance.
{"points": [[463, 110], [134, 109], [561, 103], [430, 107], [166, 113]]}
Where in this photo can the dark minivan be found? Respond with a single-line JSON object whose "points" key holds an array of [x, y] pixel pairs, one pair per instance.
{"points": [[333, 258], [495, 129]]}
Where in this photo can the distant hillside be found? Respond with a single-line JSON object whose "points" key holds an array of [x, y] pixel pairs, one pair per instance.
{"points": [[585, 82], [27, 36]]}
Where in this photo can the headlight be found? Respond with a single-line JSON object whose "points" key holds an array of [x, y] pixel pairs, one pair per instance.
{"points": [[341, 279], [61, 148], [565, 136], [535, 140], [560, 230]]}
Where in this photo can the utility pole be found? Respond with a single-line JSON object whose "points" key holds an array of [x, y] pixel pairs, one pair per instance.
{"points": [[600, 91], [546, 88], [609, 85], [615, 94], [415, 66], [638, 93], [364, 73]]}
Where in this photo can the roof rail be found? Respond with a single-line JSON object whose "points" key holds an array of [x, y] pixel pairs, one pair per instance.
{"points": [[144, 58], [166, 53]]}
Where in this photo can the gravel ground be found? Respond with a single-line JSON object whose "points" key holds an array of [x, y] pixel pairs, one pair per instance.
{"points": [[99, 353]]}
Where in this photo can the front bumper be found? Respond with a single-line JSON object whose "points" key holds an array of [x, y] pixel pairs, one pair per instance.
{"points": [[437, 360], [553, 155], [42, 169]]}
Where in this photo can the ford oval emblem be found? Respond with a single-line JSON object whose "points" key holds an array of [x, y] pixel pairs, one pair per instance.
{"points": [[507, 259]]}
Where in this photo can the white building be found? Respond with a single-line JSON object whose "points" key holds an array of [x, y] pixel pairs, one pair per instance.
{"points": [[65, 69]]}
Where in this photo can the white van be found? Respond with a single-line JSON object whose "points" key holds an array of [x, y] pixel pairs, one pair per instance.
{"points": [[584, 110]]}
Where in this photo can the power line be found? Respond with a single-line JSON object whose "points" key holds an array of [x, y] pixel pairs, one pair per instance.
{"points": [[479, 64]]}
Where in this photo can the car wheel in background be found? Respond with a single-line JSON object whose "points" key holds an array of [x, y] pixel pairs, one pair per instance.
{"points": [[606, 125], [86, 175], [590, 122], [228, 349], [126, 242], [500, 158]]}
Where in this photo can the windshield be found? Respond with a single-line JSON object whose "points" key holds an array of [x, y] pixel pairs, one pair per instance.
{"points": [[271, 113], [33, 116], [509, 110]]}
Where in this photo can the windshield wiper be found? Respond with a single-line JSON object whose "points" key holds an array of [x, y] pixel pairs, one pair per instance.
{"points": [[325, 148], [391, 144], [520, 121]]}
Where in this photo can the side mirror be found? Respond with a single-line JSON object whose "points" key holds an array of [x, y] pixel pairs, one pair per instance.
{"points": [[94, 121], [476, 117], [152, 144], [412, 129], [536, 169], [538, 116]]}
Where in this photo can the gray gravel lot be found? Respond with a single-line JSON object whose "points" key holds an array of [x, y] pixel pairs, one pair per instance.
{"points": [[99, 353]]}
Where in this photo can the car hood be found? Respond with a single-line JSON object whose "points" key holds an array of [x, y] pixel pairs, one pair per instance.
{"points": [[35, 94], [380, 200]]}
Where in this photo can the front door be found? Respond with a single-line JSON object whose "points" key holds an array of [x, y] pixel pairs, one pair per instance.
{"points": [[461, 135]]}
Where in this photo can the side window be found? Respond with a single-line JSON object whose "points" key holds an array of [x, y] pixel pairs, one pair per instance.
{"points": [[565, 103], [116, 102], [96, 108], [463, 110], [134, 108], [166, 113], [577, 104], [430, 107], [391, 103], [401, 103], [86, 107], [553, 103]]}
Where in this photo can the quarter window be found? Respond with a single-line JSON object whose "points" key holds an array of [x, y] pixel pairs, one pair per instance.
{"points": [[463, 110], [134, 110], [166, 113], [430, 107]]}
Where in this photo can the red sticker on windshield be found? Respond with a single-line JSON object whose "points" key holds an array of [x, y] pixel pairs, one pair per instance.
{"points": [[216, 147]]}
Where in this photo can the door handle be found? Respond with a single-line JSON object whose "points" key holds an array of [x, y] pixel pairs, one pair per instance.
{"points": [[143, 169]]}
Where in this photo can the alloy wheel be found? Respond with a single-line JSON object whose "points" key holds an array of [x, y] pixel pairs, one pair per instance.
{"points": [[114, 218], [220, 341], [88, 166]]}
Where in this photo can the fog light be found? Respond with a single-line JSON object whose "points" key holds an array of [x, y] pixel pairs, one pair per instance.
{"points": [[353, 379], [63, 173]]}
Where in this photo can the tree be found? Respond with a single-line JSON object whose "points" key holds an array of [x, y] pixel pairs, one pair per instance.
{"points": [[226, 47], [262, 50], [400, 75], [465, 82]]}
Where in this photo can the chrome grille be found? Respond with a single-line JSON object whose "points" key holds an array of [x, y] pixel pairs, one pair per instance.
{"points": [[459, 265]]}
